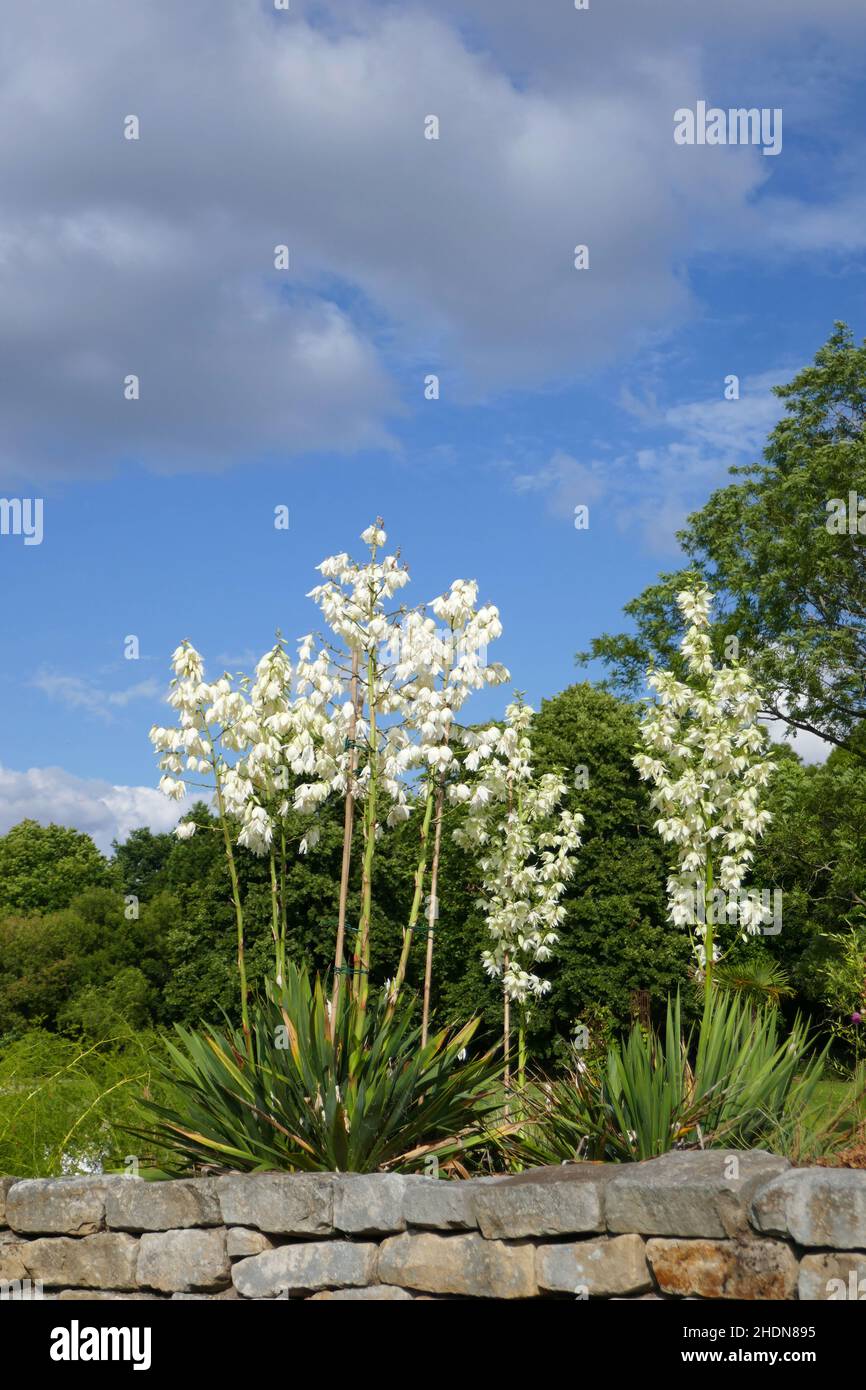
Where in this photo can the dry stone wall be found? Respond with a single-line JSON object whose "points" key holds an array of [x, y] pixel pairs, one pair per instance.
{"points": [[713, 1225]]}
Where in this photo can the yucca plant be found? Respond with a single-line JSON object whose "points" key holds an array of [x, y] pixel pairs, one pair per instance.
{"points": [[760, 980], [636, 1102], [356, 1092], [749, 1077], [730, 1082]]}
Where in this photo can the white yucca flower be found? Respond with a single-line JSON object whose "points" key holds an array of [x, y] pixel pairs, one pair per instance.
{"points": [[703, 754], [528, 846]]}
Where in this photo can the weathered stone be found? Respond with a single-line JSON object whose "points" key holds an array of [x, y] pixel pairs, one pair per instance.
{"points": [[373, 1293], [468, 1265], [103, 1261], [758, 1269], [689, 1194], [529, 1241], [291, 1204], [567, 1200], [640, 1298], [66, 1206], [815, 1206], [442, 1204], [240, 1243], [305, 1268], [11, 1263], [614, 1265], [231, 1295], [183, 1261], [103, 1296], [833, 1277], [5, 1184], [162, 1206], [369, 1203]]}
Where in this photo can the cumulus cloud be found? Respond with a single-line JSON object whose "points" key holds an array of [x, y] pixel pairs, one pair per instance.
{"points": [[544, 38], [106, 812], [652, 489], [155, 257]]}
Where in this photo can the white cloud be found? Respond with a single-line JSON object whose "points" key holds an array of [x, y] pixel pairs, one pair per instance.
{"points": [[155, 257], [106, 812], [708, 437], [652, 489], [788, 52], [796, 226], [78, 693], [731, 427], [566, 482]]}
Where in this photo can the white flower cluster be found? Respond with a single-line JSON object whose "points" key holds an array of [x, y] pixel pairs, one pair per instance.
{"points": [[240, 736], [526, 850], [703, 753], [286, 738], [413, 674]]}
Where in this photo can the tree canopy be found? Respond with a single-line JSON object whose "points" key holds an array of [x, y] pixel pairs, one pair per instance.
{"points": [[790, 582], [43, 867]]}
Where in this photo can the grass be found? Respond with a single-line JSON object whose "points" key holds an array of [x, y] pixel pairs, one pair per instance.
{"points": [[64, 1103], [832, 1131]]}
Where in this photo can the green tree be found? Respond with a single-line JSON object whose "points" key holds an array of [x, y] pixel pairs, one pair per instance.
{"points": [[201, 939], [140, 862], [792, 590], [49, 961], [814, 852], [616, 937], [43, 867]]}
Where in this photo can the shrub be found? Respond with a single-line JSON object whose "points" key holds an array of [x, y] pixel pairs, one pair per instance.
{"points": [[358, 1096], [731, 1082]]}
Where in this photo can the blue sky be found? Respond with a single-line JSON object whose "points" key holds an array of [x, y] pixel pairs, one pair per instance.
{"points": [[407, 257]]}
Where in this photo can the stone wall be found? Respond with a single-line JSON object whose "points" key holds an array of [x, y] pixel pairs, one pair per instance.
{"points": [[707, 1225]]}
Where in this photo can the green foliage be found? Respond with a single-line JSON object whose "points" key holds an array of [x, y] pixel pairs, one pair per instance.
{"points": [[63, 1103], [757, 978], [363, 1097], [86, 966], [813, 851], [843, 977], [80, 968], [141, 862], [201, 941], [636, 1102], [731, 1082], [127, 997], [43, 867], [616, 938], [751, 1077], [793, 593]]}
